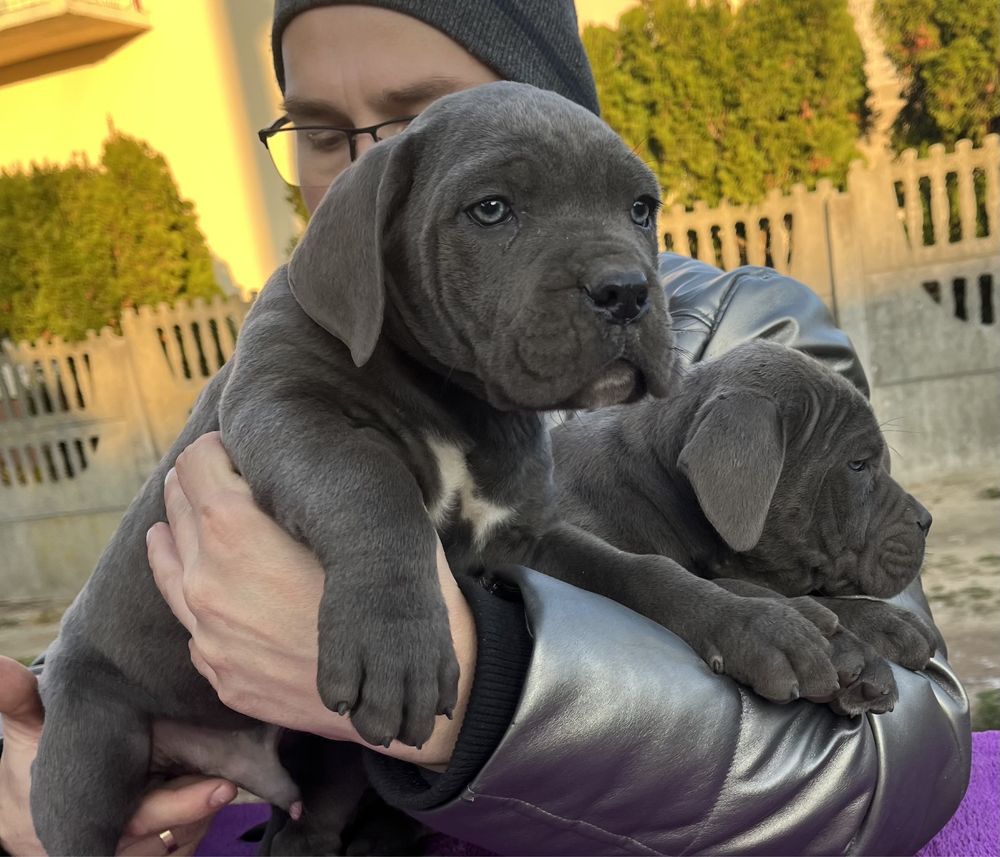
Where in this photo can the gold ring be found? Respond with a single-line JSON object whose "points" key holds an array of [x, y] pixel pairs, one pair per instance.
{"points": [[169, 841]]}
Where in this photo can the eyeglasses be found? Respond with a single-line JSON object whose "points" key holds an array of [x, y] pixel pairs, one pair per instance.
{"points": [[314, 155]]}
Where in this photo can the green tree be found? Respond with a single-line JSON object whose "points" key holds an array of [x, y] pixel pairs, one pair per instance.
{"points": [[79, 243], [949, 50], [730, 104]]}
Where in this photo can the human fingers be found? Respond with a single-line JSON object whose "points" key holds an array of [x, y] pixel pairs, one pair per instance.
{"points": [[177, 803], [205, 470], [19, 700], [168, 572], [181, 519], [180, 841]]}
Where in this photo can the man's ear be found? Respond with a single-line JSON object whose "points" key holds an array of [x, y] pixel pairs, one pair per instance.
{"points": [[336, 271], [733, 460]]}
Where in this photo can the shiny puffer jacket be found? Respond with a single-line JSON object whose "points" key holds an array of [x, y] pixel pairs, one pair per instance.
{"points": [[622, 740]]}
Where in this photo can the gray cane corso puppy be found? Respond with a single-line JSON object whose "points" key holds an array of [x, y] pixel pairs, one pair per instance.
{"points": [[495, 261], [768, 473]]}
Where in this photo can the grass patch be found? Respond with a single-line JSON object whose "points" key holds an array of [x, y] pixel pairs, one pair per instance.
{"points": [[986, 711], [989, 559], [991, 492]]}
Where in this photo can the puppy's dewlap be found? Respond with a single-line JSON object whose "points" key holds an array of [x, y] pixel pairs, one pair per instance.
{"points": [[620, 382]]}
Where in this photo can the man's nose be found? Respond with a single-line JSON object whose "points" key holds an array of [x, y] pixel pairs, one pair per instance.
{"points": [[620, 297]]}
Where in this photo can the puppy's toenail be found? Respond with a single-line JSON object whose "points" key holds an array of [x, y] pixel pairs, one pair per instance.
{"points": [[343, 708]]}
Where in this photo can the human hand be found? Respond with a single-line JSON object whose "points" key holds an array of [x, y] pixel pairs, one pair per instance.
{"points": [[249, 595], [184, 807]]}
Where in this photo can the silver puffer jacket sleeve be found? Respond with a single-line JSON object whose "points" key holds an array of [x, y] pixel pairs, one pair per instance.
{"points": [[624, 742]]}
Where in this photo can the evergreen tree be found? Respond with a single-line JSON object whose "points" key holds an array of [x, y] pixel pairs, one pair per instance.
{"points": [[80, 243], [950, 52], [727, 104]]}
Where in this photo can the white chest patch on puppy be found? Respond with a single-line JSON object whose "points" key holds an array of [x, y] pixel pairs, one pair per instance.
{"points": [[459, 489]]}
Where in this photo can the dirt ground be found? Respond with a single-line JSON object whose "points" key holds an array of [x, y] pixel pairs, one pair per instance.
{"points": [[962, 573], [961, 579]]}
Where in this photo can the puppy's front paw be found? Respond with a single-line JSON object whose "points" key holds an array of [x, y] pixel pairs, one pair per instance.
{"points": [[769, 646], [392, 674], [873, 691], [894, 633]]}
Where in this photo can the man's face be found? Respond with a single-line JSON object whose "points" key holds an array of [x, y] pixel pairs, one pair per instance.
{"points": [[354, 66]]}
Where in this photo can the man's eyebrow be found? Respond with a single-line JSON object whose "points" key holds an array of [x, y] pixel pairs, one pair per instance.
{"points": [[418, 93], [398, 100], [300, 107]]}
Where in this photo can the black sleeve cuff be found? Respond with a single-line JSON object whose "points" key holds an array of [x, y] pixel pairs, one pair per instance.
{"points": [[502, 658]]}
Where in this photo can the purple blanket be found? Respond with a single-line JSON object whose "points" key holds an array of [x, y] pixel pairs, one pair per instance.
{"points": [[972, 832]]}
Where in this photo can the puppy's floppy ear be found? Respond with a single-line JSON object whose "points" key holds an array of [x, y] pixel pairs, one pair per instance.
{"points": [[336, 272], [733, 460]]}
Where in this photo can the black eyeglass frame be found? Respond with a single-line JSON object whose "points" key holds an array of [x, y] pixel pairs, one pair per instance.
{"points": [[278, 126]]}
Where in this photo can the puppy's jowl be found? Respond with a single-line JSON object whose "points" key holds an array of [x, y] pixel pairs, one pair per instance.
{"points": [[495, 261], [767, 473]]}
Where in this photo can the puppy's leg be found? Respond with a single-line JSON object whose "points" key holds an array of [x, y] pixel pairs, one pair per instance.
{"points": [[332, 779], [874, 690], [90, 770], [894, 633], [761, 643], [385, 650], [866, 682]]}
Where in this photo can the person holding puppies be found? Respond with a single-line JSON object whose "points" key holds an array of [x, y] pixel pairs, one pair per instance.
{"points": [[581, 727]]}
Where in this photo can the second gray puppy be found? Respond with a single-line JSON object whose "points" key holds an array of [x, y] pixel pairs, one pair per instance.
{"points": [[767, 473]]}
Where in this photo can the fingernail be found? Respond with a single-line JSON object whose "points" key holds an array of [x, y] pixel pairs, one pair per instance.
{"points": [[149, 535], [295, 810], [223, 795]]}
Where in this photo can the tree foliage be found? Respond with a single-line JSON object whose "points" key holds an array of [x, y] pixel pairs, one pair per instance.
{"points": [[727, 104], [949, 51], [78, 243]]}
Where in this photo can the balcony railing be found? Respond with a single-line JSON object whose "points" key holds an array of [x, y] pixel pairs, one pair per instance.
{"points": [[37, 29]]}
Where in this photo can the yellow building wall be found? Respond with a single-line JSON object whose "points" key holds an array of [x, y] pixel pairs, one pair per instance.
{"points": [[601, 11], [196, 86]]}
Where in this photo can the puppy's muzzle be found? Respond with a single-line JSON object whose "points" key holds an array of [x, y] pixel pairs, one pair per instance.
{"points": [[620, 298], [924, 519]]}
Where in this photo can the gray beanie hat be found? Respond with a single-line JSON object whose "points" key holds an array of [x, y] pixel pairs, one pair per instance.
{"points": [[527, 41]]}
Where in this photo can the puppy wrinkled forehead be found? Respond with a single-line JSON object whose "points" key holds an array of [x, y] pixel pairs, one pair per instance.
{"points": [[504, 111], [497, 120]]}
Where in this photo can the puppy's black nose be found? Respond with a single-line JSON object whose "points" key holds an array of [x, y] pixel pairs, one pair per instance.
{"points": [[620, 298], [924, 519]]}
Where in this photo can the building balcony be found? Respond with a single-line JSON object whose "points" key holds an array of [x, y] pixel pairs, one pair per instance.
{"points": [[42, 29]]}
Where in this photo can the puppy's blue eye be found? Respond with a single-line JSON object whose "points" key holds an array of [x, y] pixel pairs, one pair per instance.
{"points": [[642, 212], [490, 212], [858, 465]]}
